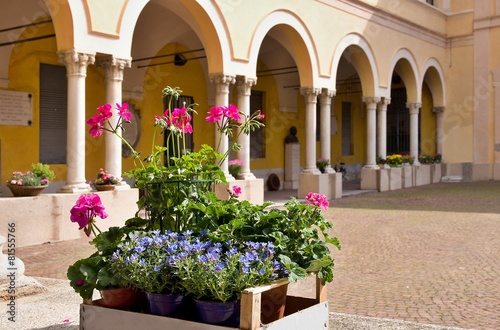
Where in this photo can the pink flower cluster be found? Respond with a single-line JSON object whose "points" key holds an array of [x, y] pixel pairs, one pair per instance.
{"points": [[217, 113], [236, 190], [316, 199], [179, 118], [236, 162], [98, 121], [86, 208]]}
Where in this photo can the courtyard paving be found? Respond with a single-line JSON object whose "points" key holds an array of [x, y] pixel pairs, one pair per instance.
{"points": [[429, 255]]}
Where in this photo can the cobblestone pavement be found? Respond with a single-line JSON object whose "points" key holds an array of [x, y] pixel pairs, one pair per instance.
{"points": [[428, 255]]}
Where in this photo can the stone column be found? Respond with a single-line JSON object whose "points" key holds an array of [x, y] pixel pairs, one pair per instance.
{"points": [[382, 127], [371, 138], [222, 83], [439, 111], [76, 71], [244, 88], [325, 129], [310, 95], [113, 72], [414, 109]]}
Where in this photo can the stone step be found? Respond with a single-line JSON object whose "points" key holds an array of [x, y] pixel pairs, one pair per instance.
{"points": [[451, 178]]}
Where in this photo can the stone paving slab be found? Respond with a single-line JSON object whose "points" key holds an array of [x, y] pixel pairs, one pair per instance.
{"points": [[427, 256]]}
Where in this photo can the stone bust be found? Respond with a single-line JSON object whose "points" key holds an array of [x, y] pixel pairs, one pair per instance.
{"points": [[292, 137]]}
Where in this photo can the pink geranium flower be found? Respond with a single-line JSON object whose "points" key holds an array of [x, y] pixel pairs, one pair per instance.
{"points": [[317, 200], [215, 114], [86, 208], [236, 190], [232, 112], [123, 111]]}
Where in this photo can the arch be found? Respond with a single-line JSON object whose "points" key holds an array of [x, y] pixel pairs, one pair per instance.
{"points": [[434, 78], [295, 37], [362, 59], [99, 40], [404, 64]]}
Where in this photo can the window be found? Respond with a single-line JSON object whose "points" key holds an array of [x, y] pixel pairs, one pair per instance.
{"points": [[53, 114], [398, 123], [257, 137], [346, 129]]}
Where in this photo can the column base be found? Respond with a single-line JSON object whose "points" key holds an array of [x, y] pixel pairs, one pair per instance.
{"points": [[369, 178], [75, 188], [245, 176], [328, 184]]}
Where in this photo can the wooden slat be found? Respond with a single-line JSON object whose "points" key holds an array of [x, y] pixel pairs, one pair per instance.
{"points": [[250, 310], [320, 291]]}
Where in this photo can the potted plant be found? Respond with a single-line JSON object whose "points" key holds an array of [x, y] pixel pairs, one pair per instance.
{"points": [[235, 166], [299, 232], [93, 273], [31, 183], [381, 161], [407, 160], [105, 181], [145, 261], [144, 253], [322, 163], [216, 274], [394, 160]]}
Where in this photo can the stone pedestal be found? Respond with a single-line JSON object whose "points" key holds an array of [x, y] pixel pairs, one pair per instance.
{"points": [[436, 173], [369, 179], [383, 179], [292, 166], [252, 190], [328, 184], [395, 178], [407, 176], [422, 175]]}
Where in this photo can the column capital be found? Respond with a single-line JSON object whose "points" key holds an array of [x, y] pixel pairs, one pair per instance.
{"points": [[222, 79], [438, 110], [310, 94], [325, 92], [371, 99], [244, 84], [383, 103], [326, 96], [76, 62], [113, 66], [414, 107]]}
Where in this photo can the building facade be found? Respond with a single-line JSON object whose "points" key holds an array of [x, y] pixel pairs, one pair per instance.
{"points": [[357, 79]]}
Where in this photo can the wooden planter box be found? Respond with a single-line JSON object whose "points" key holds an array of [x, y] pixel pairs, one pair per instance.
{"points": [[300, 313]]}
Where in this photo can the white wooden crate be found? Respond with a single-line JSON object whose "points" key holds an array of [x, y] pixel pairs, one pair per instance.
{"points": [[300, 313]]}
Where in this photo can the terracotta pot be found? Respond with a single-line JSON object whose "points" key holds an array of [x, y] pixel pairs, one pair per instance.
{"points": [[122, 298], [273, 304], [104, 187], [18, 191]]}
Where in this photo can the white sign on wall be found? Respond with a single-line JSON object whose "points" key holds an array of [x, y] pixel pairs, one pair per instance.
{"points": [[16, 108]]}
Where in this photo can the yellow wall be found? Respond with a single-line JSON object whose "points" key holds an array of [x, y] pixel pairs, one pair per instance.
{"points": [[427, 124], [277, 124], [20, 147]]}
